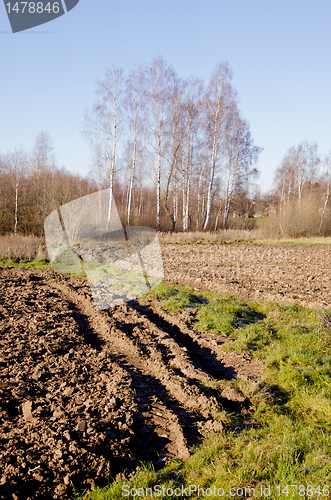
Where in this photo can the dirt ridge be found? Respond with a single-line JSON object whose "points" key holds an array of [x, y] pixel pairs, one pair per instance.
{"points": [[86, 394]]}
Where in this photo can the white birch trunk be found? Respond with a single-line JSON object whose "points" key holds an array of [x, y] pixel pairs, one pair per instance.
{"points": [[213, 165], [199, 190], [16, 207], [210, 186], [175, 194], [158, 181], [229, 193], [134, 153], [158, 188], [327, 195]]}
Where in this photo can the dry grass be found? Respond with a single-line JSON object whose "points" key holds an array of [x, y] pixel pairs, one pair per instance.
{"points": [[239, 235], [312, 241], [208, 237], [22, 247]]}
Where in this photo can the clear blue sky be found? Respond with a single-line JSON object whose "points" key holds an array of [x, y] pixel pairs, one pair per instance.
{"points": [[279, 52]]}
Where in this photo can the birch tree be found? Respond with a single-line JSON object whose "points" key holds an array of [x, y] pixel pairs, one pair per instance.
{"points": [[43, 164], [161, 80], [219, 104], [327, 195], [192, 143], [298, 168], [134, 107], [241, 154], [16, 165], [285, 186], [177, 120], [201, 189], [103, 123], [305, 160]]}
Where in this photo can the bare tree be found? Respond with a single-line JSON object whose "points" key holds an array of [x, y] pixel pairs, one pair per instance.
{"points": [[192, 143], [285, 182], [173, 147], [241, 154], [305, 160], [170, 121], [43, 155], [201, 186], [42, 162], [16, 164], [102, 124], [298, 168], [219, 105], [135, 103], [327, 196], [161, 81]]}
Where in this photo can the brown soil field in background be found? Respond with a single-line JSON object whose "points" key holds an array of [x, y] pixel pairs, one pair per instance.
{"points": [[283, 273]]}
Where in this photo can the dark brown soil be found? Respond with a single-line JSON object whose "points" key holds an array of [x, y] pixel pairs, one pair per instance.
{"points": [[87, 394], [282, 273]]}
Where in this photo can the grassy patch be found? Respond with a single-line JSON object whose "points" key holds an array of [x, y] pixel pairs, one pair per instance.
{"points": [[284, 439], [175, 298], [44, 265], [223, 315], [215, 313]]}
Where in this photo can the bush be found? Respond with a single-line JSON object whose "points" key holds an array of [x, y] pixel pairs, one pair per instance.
{"points": [[19, 247]]}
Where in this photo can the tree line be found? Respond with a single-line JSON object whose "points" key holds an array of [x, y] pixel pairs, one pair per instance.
{"points": [[302, 192], [32, 186], [185, 141], [175, 152], [177, 155]]}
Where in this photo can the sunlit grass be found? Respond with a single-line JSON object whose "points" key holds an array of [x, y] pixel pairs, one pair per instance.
{"points": [[43, 265], [284, 439]]}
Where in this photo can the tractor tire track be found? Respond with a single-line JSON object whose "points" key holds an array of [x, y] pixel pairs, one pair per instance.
{"points": [[88, 394]]}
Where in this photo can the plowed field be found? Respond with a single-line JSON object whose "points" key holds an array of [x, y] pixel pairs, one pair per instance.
{"points": [[86, 394], [283, 273]]}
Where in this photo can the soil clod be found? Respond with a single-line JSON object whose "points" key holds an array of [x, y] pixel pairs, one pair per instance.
{"points": [[87, 394]]}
